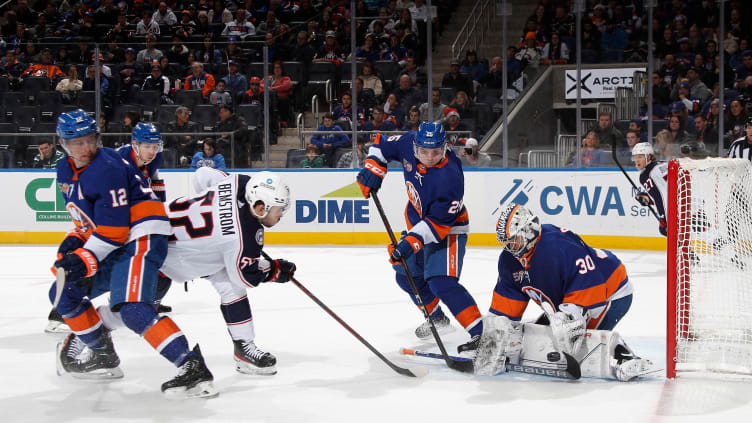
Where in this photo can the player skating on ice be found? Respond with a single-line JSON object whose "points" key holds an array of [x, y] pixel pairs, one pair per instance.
{"points": [[581, 288], [119, 243], [437, 224], [654, 179], [219, 234], [145, 154]]}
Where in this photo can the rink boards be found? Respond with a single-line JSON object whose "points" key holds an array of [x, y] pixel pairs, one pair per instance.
{"points": [[328, 208]]}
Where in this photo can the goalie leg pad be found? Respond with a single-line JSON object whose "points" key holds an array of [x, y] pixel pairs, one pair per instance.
{"points": [[501, 342]]}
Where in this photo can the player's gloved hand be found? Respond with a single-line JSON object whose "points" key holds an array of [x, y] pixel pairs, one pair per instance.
{"points": [[407, 246], [370, 177], [644, 199], [569, 326], [79, 264], [158, 188], [662, 226], [281, 271], [73, 241]]}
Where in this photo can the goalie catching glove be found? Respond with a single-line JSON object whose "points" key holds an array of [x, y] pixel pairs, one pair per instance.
{"points": [[568, 326], [280, 271], [79, 264], [370, 177]]}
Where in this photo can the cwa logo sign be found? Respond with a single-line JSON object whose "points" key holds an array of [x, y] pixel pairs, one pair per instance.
{"points": [[572, 199], [45, 199]]}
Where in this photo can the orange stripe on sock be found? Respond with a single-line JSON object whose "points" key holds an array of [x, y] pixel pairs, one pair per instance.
{"points": [[430, 307], [84, 321], [467, 316], [162, 330]]}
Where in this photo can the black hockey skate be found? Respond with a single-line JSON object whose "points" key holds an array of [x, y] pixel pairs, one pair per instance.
{"points": [[82, 362], [193, 380], [161, 308], [470, 347], [55, 323], [440, 321], [250, 359]]}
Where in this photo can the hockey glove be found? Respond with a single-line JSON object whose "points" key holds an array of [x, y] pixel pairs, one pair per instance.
{"points": [[281, 271], [644, 199], [158, 188], [371, 176], [406, 247], [662, 226], [73, 241], [78, 264], [569, 326]]}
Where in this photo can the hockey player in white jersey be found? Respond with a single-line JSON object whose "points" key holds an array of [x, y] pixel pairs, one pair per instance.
{"points": [[220, 233], [654, 179]]}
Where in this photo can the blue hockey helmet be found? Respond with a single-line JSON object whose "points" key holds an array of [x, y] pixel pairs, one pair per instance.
{"points": [[430, 135], [515, 221], [75, 124], [146, 132]]}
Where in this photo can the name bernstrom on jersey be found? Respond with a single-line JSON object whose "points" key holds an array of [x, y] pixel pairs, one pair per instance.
{"points": [[224, 206]]}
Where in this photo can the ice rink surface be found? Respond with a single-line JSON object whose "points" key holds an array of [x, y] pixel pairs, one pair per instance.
{"points": [[324, 373]]}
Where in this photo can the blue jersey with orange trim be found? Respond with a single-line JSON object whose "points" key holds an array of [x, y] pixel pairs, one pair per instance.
{"points": [[561, 269], [149, 171], [435, 207], [108, 202]]}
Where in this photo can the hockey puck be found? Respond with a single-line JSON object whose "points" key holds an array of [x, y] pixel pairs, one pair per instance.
{"points": [[553, 356]]}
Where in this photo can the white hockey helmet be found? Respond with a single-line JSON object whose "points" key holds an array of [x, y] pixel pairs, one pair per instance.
{"points": [[517, 220], [643, 148], [269, 189]]}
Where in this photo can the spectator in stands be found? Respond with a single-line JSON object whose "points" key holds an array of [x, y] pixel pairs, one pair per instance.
{"points": [[30, 53], [454, 79], [182, 144], [199, 80], [130, 120], [48, 155], [209, 157], [661, 90], [606, 132], [407, 95], [12, 68], [463, 105], [636, 125], [178, 52], [150, 53], [147, 25], [281, 85], [471, 155], [233, 51], [705, 134], [156, 81], [344, 111], [302, 50], [113, 53], [532, 27], [529, 54], [636, 50], [370, 79], [413, 120], [613, 39], [591, 38], [172, 73], [625, 154], [70, 86], [254, 94], [455, 124], [366, 98], [208, 53], [665, 148], [240, 27], [667, 45], [563, 23], [186, 27], [313, 159], [44, 67], [418, 77], [107, 14], [219, 95], [670, 70], [43, 28], [136, 12], [330, 51], [89, 84], [555, 52], [236, 82], [87, 26], [121, 31], [270, 24], [368, 50], [220, 13], [82, 52], [591, 154], [438, 108], [62, 58], [679, 134], [393, 110], [472, 66], [130, 81], [228, 122], [684, 56], [164, 15], [377, 122], [745, 69], [698, 89], [395, 52], [327, 143], [734, 121], [346, 160]]}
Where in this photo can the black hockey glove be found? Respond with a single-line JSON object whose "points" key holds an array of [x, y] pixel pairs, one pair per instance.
{"points": [[281, 271], [79, 264], [644, 199], [73, 241]]}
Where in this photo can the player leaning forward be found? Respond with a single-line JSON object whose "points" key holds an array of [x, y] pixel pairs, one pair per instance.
{"points": [[584, 291], [437, 222], [121, 240]]}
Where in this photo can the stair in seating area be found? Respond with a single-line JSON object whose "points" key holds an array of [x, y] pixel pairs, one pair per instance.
{"points": [[288, 139]]}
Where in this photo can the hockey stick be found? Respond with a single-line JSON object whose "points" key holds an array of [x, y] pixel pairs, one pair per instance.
{"points": [[572, 370], [613, 153], [411, 372], [462, 366], [59, 285]]}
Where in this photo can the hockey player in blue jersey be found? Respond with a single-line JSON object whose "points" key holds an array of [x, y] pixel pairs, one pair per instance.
{"points": [[654, 179], [437, 224], [120, 239]]}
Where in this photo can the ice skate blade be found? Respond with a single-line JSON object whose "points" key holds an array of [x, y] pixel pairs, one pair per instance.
{"points": [[250, 369], [440, 331], [55, 327], [100, 374], [204, 389]]}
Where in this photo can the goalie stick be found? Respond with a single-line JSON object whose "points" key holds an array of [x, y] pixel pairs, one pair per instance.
{"points": [[462, 366], [411, 372], [571, 372], [616, 159]]}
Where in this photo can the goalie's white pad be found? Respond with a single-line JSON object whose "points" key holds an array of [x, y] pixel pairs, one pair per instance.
{"points": [[500, 342]]}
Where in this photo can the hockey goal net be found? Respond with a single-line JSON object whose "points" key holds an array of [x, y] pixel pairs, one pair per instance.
{"points": [[709, 280]]}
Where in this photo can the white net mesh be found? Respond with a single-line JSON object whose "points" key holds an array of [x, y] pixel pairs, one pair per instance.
{"points": [[714, 283]]}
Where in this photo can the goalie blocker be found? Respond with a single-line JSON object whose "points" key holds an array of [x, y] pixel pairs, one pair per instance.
{"points": [[602, 354]]}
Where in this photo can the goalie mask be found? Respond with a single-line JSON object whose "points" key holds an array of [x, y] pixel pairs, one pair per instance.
{"points": [[267, 188], [517, 221]]}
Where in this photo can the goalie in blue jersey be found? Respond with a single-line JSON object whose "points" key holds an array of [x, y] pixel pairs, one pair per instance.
{"points": [[437, 224]]}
